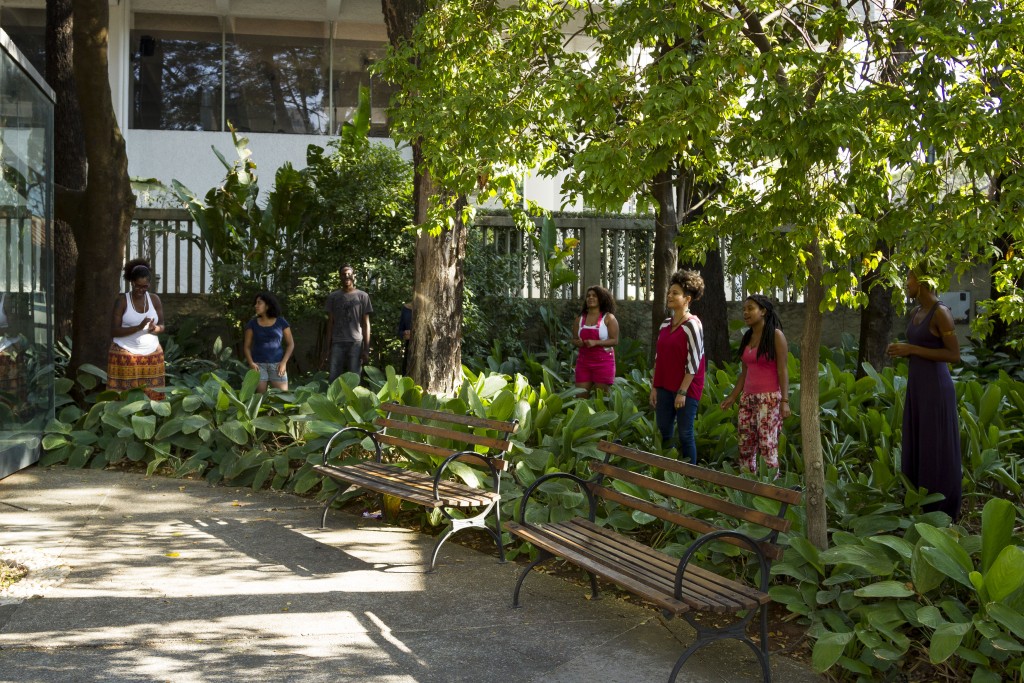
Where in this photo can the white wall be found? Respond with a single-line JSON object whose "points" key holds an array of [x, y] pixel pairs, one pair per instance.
{"points": [[186, 155]]}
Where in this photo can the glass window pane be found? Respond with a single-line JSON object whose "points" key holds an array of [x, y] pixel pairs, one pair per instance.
{"points": [[26, 200], [352, 60], [176, 71], [27, 28], [277, 83]]}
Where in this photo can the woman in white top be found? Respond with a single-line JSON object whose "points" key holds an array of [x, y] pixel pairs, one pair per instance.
{"points": [[136, 359]]}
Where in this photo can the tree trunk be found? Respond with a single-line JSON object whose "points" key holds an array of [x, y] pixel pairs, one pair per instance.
{"points": [[876, 322], [68, 156], [810, 422], [435, 351], [666, 255], [108, 203]]}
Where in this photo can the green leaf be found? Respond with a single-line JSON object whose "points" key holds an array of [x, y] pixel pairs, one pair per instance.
{"points": [[234, 430], [1010, 618], [828, 649], [161, 408], [326, 409], [884, 589], [1006, 574], [52, 441], [249, 385], [997, 520], [271, 423], [871, 559], [946, 640], [144, 426], [939, 559]]}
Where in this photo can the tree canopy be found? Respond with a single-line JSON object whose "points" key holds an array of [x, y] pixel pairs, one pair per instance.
{"points": [[819, 130]]}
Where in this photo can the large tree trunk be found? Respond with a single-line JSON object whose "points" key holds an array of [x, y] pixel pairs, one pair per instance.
{"points": [[666, 254], [810, 422], [876, 322], [435, 351], [108, 204], [68, 156]]}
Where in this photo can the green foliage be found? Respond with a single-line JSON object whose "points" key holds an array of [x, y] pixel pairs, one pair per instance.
{"points": [[351, 204], [898, 585]]}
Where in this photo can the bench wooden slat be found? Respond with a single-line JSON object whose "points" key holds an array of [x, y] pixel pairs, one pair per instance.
{"points": [[467, 420], [729, 480], [704, 500], [772, 551], [648, 573], [411, 486], [703, 587], [542, 538], [500, 463], [702, 590], [501, 445], [425, 482]]}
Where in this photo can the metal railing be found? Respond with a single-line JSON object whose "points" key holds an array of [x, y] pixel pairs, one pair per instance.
{"points": [[617, 253]]}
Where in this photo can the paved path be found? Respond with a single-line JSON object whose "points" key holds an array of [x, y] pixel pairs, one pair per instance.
{"points": [[155, 579]]}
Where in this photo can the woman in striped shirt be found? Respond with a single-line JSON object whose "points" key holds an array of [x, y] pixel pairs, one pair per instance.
{"points": [[679, 365]]}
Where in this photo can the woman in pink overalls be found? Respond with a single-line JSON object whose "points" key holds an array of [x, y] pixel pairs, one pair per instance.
{"points": [[595, 333]]}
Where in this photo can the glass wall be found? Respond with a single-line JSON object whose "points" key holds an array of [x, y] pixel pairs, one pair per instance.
{"points": [[176, 72], [276, 76], [26, 271], [202, 73]]}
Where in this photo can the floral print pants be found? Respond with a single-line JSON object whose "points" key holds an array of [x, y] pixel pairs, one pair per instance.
{"points": [[759, 422]]}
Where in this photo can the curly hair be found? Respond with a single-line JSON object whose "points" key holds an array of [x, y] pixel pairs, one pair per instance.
{"points": [[690, 282], [765, 347], [273, 305], [605, 300], [137, 268]]}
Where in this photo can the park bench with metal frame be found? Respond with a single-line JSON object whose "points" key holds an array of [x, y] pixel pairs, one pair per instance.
{"points": [[430, 432], [676, 586]]}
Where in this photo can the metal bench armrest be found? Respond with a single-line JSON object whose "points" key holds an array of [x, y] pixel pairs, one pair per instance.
{"points": [[367, 432], [713, 536], [559, 475], [486, 459]]}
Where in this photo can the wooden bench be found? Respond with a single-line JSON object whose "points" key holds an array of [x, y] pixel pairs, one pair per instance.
{"points": [[677, 586], [445, 438]]}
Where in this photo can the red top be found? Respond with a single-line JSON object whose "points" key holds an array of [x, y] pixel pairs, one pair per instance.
{"points": [[680, 352], [762, 373]]}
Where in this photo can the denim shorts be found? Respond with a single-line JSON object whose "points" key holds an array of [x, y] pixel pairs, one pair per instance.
{"points": [[268, 373]]}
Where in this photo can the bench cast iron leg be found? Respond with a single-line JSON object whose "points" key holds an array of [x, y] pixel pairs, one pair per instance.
{"points": [[543, 556], [737, 631], [476, 522], [327, 506]]}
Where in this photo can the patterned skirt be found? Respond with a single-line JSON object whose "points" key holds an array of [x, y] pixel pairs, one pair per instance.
{"points": [[126, 370]]}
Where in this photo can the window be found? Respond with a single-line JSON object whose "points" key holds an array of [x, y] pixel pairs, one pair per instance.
{"points": [[27, 28], [176, 72], [277, 76]]}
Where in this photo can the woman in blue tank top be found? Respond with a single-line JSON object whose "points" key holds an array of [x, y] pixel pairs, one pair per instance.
{"points": [[268, 343]]}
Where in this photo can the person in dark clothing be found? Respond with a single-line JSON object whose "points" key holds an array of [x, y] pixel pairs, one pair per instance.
{"points": [[931, 431]]}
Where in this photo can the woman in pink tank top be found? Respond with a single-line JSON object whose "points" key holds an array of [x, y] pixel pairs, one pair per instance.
{"points": [[595, 335], [763, 384]]}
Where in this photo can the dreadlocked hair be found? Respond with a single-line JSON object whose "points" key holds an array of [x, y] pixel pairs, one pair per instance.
{"points": [[766, 347]]}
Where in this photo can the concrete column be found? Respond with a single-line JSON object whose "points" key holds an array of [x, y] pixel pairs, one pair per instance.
{"points": [[591, 254]]}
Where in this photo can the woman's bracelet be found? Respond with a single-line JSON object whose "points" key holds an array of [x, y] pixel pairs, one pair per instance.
{"points": [[785, 400]]}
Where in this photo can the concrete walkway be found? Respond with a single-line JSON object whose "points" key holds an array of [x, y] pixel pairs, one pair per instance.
{"points": [[155, 579]]}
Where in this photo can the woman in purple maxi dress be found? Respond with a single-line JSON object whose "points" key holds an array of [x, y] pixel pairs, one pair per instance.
{"points": [[931, 431]]}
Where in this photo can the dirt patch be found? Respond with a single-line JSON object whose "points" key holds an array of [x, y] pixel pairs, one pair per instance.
{"points": [[10, 573]]}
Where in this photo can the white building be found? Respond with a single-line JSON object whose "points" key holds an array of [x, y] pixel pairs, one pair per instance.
{"points": [[286, 73]]}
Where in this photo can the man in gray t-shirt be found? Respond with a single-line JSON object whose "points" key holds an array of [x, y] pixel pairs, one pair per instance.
{"points": [[348, 326]]}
